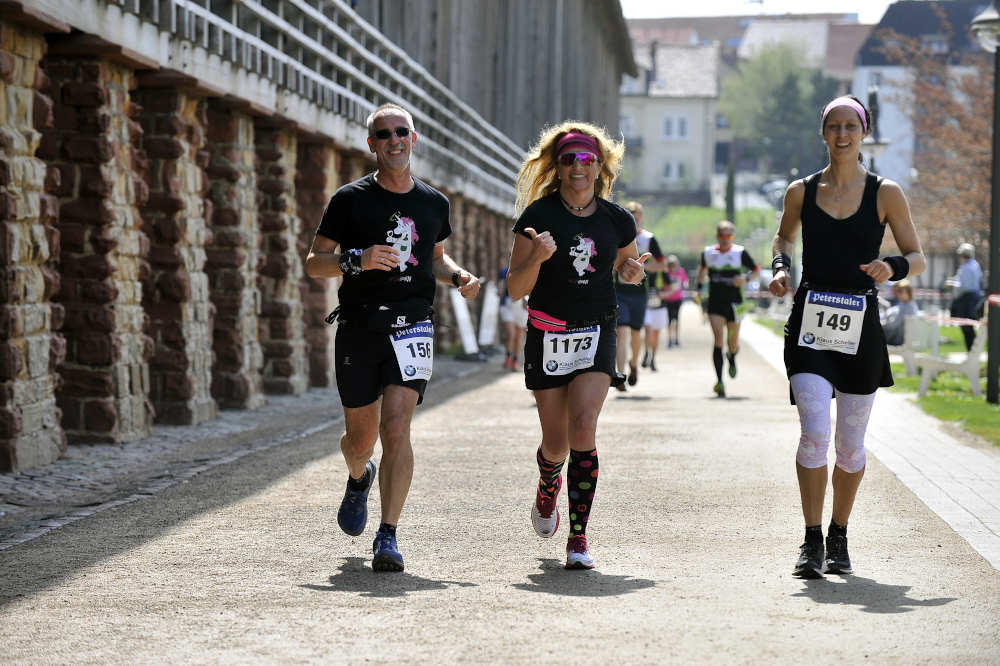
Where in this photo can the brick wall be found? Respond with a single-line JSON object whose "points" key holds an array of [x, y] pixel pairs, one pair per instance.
{"points": [[93, 147], [281, 307], [232, 259], [30, 432], [176, 294], [316, 181]]}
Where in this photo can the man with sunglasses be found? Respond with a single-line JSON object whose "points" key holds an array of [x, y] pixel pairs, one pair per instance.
{"points": [[728, 267], [384, 234]]}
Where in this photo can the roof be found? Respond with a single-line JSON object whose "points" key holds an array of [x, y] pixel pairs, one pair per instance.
{"points": [[809, 36], [919, 18], [843, 42], [685, 71], [727, 30]]}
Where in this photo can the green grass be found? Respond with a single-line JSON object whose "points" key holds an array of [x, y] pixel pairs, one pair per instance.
{"points": [[686, 230], [949, 397]]}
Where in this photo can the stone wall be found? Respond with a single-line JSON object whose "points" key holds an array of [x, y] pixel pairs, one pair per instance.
{"points": [[317, 179], [176, 289], [93, 147], [281, 309], [232, 259], [30, 347]]}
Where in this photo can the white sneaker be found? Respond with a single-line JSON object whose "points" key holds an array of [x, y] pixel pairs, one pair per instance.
{"points": [[544, 514], [578, 553]]}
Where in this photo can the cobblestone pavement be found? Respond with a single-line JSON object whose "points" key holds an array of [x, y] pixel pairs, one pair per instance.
{"points": [[93, 477]]}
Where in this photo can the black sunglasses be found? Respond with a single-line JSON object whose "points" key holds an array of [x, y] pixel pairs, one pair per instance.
{"points": [[384, 134]]}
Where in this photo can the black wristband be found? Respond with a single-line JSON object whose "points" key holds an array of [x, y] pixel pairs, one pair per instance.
{"points": [[781, 261], [454, 278], [900, 266], [350, 262]]}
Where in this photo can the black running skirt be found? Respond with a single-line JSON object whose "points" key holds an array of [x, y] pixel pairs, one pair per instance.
{"points": [[859, 373]]}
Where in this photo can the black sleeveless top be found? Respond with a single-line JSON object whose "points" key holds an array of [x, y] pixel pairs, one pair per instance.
{"points": [[832, 250]]}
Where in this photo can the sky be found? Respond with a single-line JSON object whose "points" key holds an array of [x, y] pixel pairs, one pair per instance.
{"points": [[868, 11]]}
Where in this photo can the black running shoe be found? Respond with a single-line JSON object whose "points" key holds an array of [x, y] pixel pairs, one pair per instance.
{"points": [[633, 375], [810, 562], [645, 360], [837, 559], [386, 554]]}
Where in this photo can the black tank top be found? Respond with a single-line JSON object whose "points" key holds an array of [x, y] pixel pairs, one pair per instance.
{"points": [[833, 249]]}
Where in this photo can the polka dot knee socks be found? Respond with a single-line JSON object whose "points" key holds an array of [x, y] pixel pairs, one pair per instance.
{"points": [[581, 480], [548, 474]]}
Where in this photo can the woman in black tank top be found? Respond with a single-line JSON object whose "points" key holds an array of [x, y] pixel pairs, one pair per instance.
{"points": [[834, 344]]}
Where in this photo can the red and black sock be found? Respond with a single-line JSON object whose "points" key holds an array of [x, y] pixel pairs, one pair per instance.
{"points": [[548, 474], [581, 481]]}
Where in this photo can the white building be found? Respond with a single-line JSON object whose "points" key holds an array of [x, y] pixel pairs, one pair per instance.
{"points": [[668, 117]]}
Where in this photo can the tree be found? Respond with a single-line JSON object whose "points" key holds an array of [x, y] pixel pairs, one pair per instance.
{"points": [[773, 102], [950, 101]]}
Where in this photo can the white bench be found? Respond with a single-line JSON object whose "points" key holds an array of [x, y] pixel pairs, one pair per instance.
{"points": [[968, 364], [920, 334]]}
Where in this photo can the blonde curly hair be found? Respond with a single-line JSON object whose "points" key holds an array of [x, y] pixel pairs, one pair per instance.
{"points": [[538, 176]]}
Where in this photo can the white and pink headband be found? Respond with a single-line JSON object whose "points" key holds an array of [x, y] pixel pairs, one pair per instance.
{"points": [[848, 102]]}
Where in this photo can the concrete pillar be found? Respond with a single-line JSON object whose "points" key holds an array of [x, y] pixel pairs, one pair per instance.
{"points": [[232, 258], [94, 147], [30, 347], [280, 275], [317, 179], [176, 291]]}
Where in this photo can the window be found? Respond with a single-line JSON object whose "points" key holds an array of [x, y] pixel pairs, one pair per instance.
{"points": [[681, 171], [874, 79], [668, 127], [668, 171], [625, 124], [682, 127]]}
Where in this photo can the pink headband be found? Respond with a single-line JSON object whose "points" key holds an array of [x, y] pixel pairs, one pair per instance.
{"points": [[848, 102], [577, 140]]}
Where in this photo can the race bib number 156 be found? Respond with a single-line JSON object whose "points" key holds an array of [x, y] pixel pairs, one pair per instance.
{"points": [[414, 347]]}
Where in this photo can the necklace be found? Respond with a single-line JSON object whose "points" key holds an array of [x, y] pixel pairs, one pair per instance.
{"points": [[576, 208]]}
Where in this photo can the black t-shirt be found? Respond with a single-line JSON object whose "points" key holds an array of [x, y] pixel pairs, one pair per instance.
{"points": [[722, 268], [363, 213], [575, 283]]}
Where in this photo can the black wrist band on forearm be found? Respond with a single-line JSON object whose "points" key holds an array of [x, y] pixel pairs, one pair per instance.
{"points": [[900, 266], [350, 262], [454, 278], [781, 262]]}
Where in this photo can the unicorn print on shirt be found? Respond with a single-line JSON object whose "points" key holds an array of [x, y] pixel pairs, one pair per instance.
{"points": [[581, 253], [402, 238]]}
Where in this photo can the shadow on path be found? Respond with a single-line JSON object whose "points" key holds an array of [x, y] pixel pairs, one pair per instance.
{"points": [[555, 579], [871, 596], [356, 575]]}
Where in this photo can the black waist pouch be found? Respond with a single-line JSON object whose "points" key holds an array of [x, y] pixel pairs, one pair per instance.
{"points": [[383, 317]]}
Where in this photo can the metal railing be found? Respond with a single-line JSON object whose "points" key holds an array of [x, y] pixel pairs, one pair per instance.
{"points": [[323, 52]]}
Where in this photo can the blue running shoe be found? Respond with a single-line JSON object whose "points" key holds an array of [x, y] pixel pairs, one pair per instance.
{"points": [[387, 558], [353, 513]]}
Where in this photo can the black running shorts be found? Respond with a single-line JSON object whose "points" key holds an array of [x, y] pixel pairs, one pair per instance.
{"points": [[534, 374], [366, 364], [723, 309]]}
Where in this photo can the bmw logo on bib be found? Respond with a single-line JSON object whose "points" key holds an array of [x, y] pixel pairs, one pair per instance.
{"points": [[551, 366], [410, 371], [809, 338]]}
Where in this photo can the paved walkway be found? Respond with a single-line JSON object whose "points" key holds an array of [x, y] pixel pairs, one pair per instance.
{"points": [[695, 528], [956, 476]]}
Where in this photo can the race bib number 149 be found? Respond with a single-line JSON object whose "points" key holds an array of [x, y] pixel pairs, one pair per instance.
{"points": [[832, 321]]}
